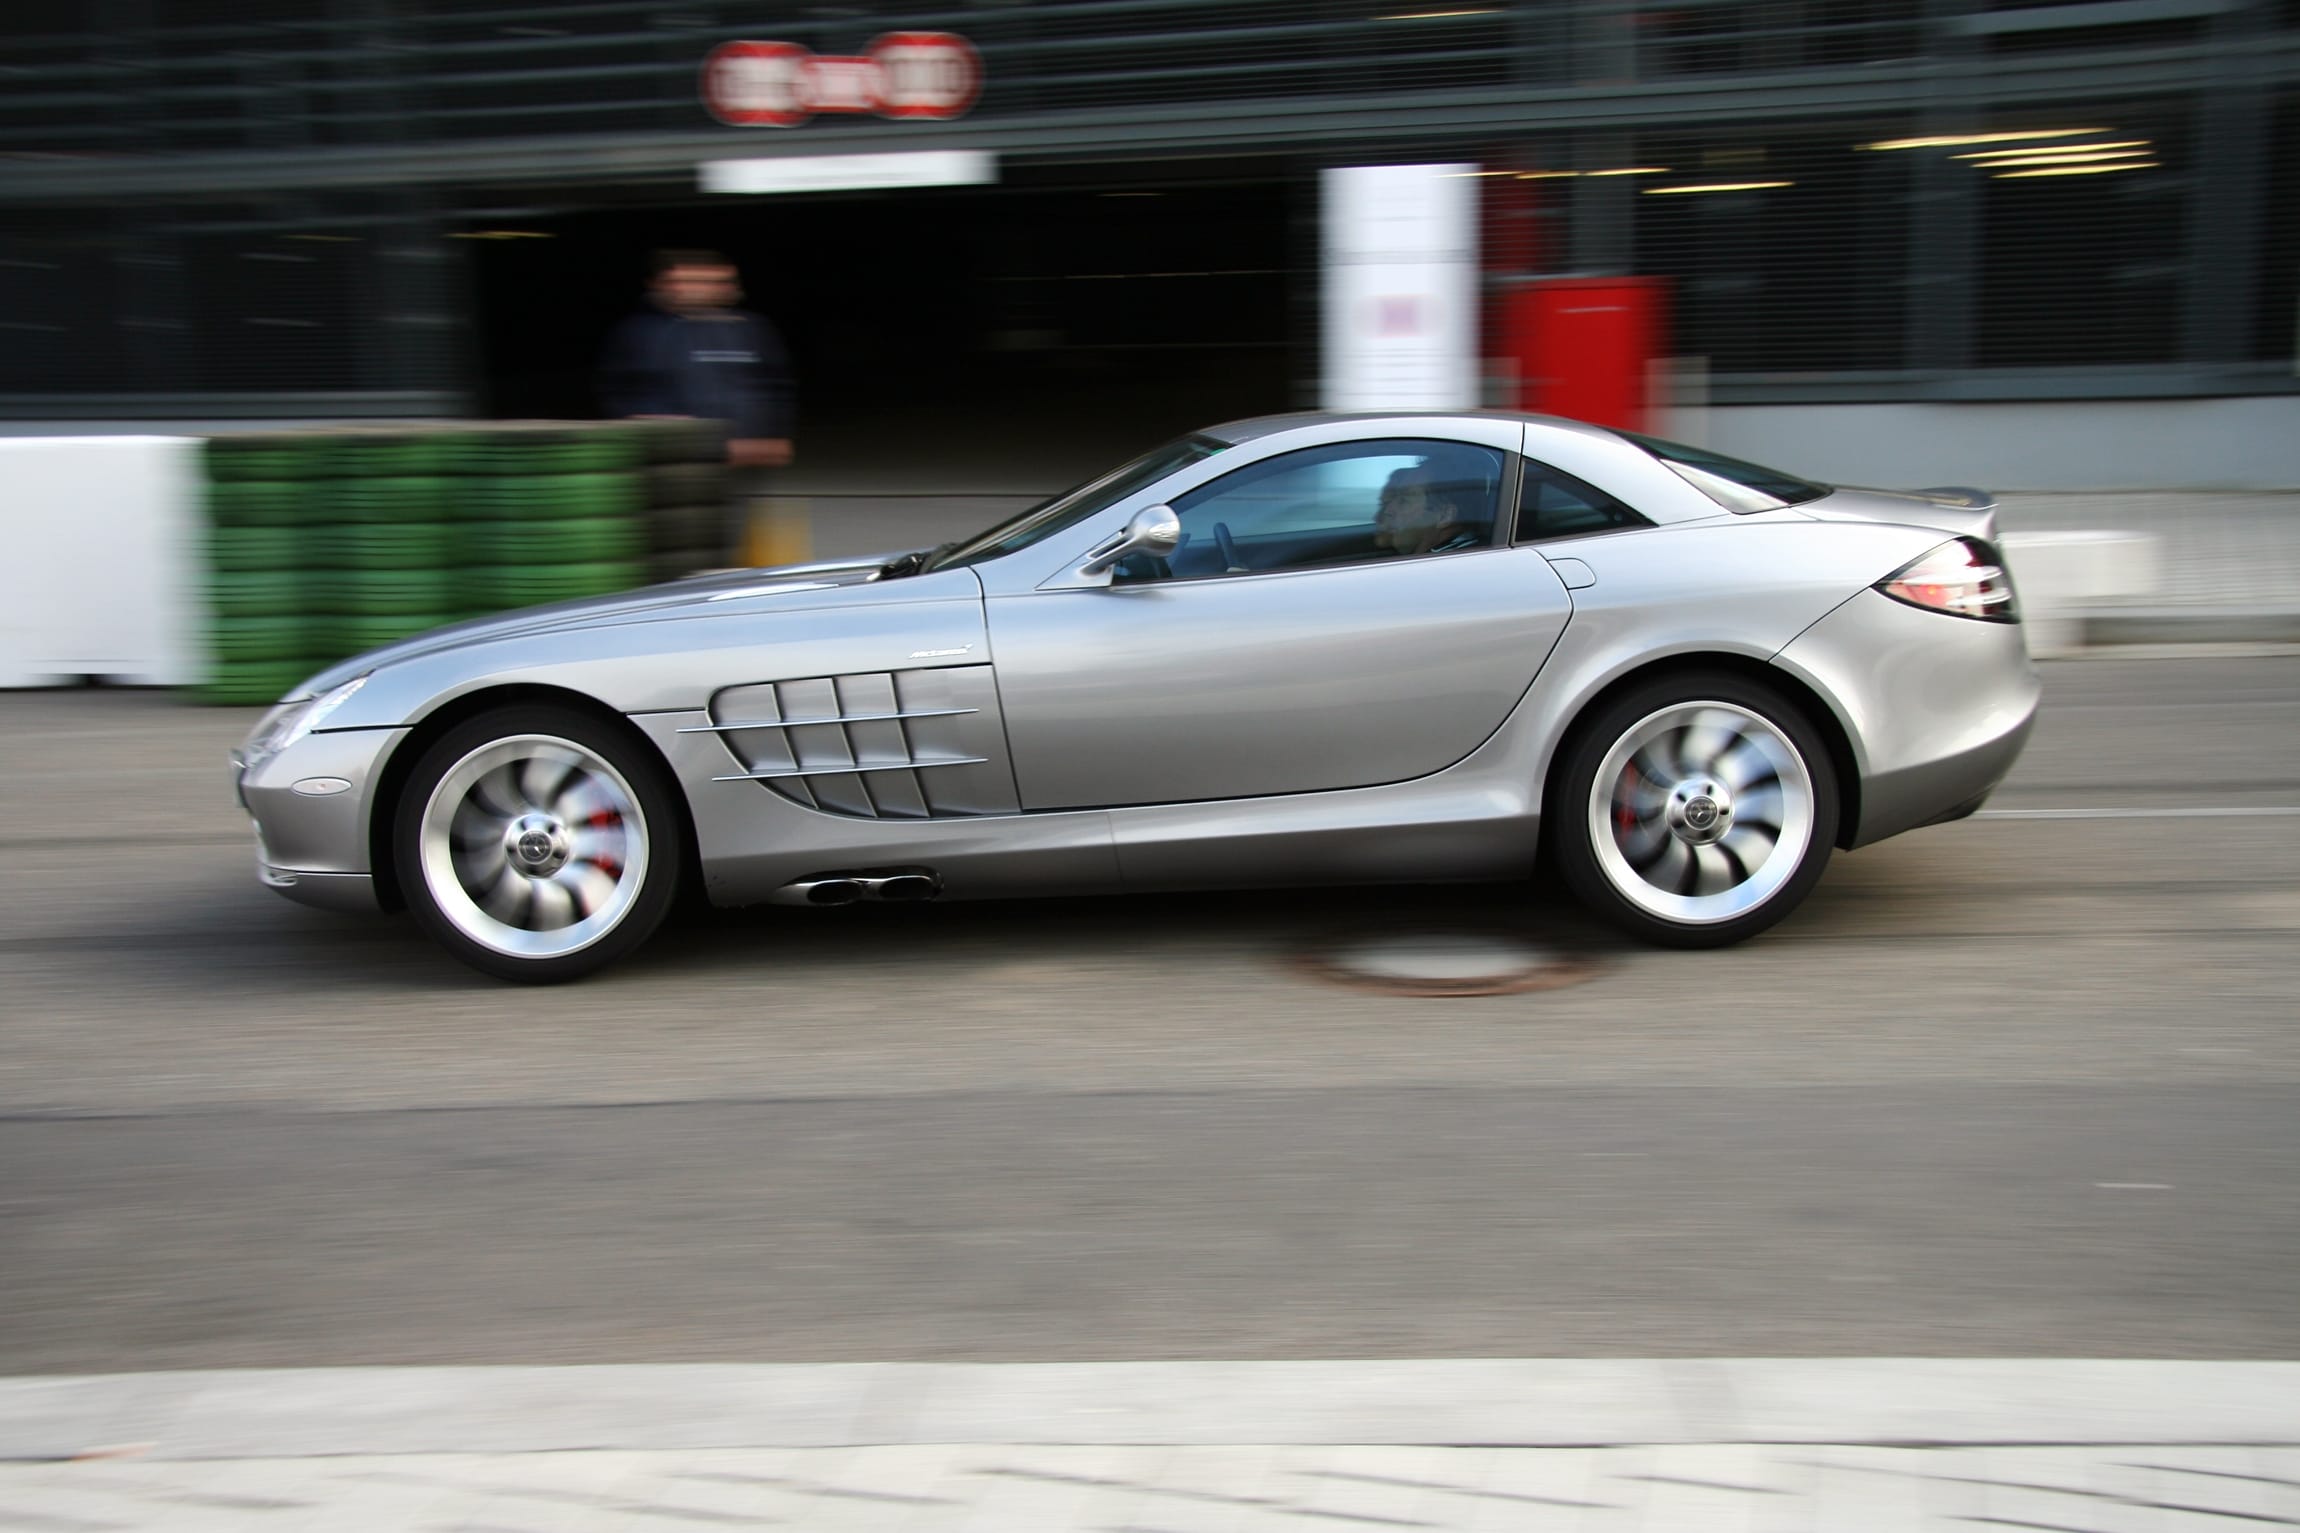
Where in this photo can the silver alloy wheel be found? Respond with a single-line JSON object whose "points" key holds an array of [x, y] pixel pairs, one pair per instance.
{"points": [[534, 846], [1701, 812]]}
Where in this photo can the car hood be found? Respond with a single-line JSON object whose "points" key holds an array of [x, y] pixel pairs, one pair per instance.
{"points": [[796, 584], [1958, 512]]}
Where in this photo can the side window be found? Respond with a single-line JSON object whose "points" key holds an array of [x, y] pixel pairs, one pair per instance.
{"points": [[1348, 503], [1554, 504]]}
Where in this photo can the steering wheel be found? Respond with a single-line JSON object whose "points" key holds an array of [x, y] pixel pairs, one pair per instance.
{"points": [[1229, 547]]}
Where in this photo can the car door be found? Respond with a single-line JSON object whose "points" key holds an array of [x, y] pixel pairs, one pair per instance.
{"points": [[1336, 616]]}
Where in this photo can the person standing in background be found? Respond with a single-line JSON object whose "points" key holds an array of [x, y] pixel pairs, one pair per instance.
{"points": [[691, 354]]}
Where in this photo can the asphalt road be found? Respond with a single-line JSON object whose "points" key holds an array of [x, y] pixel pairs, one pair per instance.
{"points": [[2027, 1085]]}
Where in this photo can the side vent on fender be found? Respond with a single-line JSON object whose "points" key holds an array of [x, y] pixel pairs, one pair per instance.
{"points": [[879, 745]]}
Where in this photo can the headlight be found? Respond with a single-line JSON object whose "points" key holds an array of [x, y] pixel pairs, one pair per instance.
{"points": [[265, 739], [294, 719]]}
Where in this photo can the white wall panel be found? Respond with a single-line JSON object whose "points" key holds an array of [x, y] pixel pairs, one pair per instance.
{"points": [[99, 559]]}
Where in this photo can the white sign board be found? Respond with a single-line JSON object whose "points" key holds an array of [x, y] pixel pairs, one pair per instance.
{"points": [[1401, 287], [849, 172]]}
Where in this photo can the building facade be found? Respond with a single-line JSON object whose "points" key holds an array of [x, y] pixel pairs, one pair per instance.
{"points": [[287, 208]]}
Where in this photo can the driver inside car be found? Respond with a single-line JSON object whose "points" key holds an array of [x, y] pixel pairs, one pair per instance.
{"points": [[1419, 516]]}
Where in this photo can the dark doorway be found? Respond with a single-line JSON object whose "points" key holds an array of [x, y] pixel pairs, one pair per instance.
{"points": [[1060, 324]]}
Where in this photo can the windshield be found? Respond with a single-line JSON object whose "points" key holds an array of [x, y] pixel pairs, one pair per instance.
{"points": [[1733, 484], [1075, 505]]}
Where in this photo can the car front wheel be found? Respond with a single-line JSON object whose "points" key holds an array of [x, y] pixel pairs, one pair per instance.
{"points": [[537, 843], [1695, 810]]}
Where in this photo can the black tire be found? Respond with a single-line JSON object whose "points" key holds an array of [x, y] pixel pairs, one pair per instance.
{"points": [[642, 874], [1721, 881]]}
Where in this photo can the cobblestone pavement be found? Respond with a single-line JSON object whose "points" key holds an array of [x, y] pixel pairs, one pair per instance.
{"points": [[1225, 1489]]}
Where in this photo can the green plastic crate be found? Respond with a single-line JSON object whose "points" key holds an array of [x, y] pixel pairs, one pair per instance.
{"points": [[551, 496], [270, 455], [260, 638], [354, 634], [567, 448], [261, 502], [385, 545], [256, 548], [254, 681], [533, 585], [382, 592], [466, 453], [428, 498], [378, 454], [259, 593], [602, 453], [585, 540]]}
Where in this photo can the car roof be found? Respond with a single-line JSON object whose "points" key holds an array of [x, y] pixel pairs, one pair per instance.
{"points": [[1241, 431]]}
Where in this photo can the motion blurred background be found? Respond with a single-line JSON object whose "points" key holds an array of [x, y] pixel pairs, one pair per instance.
{"points": [[2049, 242], [2022, 1087]]}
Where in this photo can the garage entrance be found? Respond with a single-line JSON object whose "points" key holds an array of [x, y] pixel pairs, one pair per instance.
{"points": [[948, 329]]}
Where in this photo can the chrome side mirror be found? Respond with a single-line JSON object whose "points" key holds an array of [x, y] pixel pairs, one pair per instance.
{"points": [[1153, 530]]}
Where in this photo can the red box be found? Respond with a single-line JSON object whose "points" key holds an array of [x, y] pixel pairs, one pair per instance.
{"points": [[1584, 346]]}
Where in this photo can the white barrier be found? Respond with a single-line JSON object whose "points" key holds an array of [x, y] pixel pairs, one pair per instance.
{"points": [[99, 560], [2060, 574]]}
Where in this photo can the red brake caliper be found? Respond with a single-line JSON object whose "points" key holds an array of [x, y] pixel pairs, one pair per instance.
{"points": [[606, 819]]}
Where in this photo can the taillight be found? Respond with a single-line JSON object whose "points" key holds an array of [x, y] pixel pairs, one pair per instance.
{"points": [[1964, 578]]}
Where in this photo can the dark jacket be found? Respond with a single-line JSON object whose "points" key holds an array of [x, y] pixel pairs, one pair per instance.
{"points": [[725, 366]]}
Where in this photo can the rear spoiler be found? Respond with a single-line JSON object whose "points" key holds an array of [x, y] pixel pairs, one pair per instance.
{"points": [[1963, 497]]}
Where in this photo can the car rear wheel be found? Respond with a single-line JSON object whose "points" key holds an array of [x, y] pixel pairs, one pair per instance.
{"points": [[538, 843], [1695, 810]]}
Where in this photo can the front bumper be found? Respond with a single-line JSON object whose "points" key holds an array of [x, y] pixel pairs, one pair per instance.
{"points": [[354, 892], [1938, 707], [312, 805]]}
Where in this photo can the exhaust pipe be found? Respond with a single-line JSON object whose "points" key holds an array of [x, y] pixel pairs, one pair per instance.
{"points": [[846, 888], [820, 891], [903, 886]]}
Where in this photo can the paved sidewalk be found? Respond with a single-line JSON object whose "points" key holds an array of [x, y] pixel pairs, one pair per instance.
{"points": [[947, 1488], [1598, 1446]]}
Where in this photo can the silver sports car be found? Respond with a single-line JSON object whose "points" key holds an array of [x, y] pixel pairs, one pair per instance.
{"points": [[1302, 649]]}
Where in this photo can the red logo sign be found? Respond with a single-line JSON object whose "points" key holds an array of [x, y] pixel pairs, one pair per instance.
{"points": [[933, 75]]}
